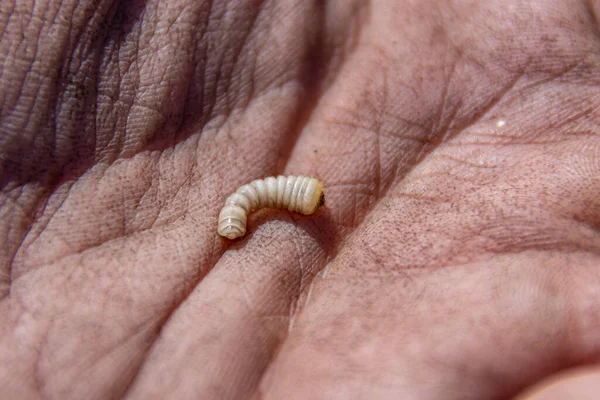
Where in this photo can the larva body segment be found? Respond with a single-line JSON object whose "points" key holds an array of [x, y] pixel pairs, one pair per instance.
{"points": [[295, 193]]}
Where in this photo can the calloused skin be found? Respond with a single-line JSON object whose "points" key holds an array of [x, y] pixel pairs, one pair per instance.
{"points": [[457, 257]]}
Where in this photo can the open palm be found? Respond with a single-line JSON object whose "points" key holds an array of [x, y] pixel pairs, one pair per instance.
{"points": [[457, 256]]}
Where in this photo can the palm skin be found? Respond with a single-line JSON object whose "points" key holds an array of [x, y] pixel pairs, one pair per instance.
{"points": [[456, 258]]}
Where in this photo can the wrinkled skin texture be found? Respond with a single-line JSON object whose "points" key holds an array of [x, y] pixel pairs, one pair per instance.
{"points": [[458, 256]]}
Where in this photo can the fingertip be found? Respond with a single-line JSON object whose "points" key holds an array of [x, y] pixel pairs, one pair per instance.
{"points": [[580, 384]]}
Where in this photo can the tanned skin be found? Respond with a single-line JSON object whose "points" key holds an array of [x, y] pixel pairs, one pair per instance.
{"points": [[458, 254]]}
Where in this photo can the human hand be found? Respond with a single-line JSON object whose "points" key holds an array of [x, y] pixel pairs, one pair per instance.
{"points": [[457, 257]]}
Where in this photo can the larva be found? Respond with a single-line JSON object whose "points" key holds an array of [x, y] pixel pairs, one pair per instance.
{"points": [[296, 193]]}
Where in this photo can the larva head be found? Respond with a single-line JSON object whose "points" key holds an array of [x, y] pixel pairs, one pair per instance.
{"points": [[321, 199], [313, 197]]}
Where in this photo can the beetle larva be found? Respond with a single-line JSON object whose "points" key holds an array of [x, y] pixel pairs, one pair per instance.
{"points": [[296, 193]]}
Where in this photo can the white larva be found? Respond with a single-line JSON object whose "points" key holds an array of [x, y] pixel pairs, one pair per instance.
{"points": [[296, 193]]}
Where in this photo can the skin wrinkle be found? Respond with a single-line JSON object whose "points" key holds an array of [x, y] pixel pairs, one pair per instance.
{"points": [[39, 217], [10, 251], [592, 8], [73, 93], [157, 217], [180, 253], [344, 275], [40, 194], [244, 281]]}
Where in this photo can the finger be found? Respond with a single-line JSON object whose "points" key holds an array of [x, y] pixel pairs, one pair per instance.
{"points": [[581, 384]]}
